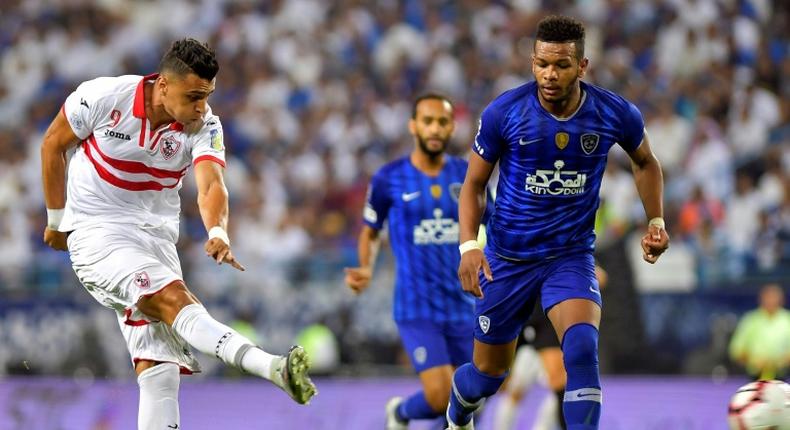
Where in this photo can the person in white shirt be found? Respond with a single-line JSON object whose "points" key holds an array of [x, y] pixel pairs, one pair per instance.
{"points": [[118, 213]]}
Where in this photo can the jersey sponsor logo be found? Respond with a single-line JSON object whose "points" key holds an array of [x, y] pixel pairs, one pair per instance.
{"points": [[141, 280], [485, 323], [589, 142], [436, 231], [556, 182], [523, 142], [216, 140], [115, 116], [407, 197], [455, 190], [561, 139], [116, 134], [436, 191], [170, 147], [420, 354]]}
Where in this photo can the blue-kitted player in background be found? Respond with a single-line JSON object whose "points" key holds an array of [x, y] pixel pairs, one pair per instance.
{"points": [[418, 197], [551, 138]]}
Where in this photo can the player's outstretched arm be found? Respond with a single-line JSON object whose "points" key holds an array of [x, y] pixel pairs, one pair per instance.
{"points": [[58, 140], [650, 185], [213, 205], [471, 205], [358, 278]]}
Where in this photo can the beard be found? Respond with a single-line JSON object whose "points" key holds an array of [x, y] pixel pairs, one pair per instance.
{"points": [[432, 153]]}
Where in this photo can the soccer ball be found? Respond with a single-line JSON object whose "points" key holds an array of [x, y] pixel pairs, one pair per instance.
{"points": [[760, 405]]}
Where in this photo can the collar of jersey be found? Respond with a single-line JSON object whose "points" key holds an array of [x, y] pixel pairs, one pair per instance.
{"points": [[139, 101]]}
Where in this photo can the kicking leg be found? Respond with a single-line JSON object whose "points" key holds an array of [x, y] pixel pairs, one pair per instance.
{"points": [[576, 323], [176, 306], [428, 403]]}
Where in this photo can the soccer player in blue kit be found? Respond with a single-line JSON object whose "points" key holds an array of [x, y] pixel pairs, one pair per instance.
{"points": [[551, 138], [418, 196]]}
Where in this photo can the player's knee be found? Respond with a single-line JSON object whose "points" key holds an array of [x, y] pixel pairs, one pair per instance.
{"points": [[166, 303], [438, 396], [580, 346]]}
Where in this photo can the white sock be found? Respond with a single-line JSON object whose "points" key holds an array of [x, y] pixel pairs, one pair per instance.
{"points": [[158, 397], [547, 414], [505, 413], [209, 336]]}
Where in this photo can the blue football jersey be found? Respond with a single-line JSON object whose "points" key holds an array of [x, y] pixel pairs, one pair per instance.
{"points": [[551, 168], [422, 217]]}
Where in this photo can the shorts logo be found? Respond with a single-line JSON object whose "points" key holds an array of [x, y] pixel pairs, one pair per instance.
{"points": [[170, 147], [141, 280], [420, 354], [589, 142], [484, 322]]}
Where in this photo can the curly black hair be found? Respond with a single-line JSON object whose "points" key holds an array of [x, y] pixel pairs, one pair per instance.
{"points": [[429, 96], [190, 56], [562, 29]]}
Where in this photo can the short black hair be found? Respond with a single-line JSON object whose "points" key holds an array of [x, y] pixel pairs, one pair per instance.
{"points": [[562, 29], [430, 96], [187, 56]]}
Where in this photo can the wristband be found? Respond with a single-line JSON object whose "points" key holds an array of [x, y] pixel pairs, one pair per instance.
{"points": [[54, 216], [658, 222], [468, 246], [219, 233]]}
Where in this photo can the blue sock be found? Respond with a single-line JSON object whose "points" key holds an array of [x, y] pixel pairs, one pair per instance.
{"points": [[470, 388], [582, 403], [416, 407]]}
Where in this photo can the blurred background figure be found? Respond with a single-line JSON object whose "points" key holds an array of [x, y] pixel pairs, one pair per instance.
{"points": [[761, 342]]}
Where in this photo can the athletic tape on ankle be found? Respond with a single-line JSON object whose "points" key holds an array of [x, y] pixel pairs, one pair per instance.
{"points": [[240, 354]]}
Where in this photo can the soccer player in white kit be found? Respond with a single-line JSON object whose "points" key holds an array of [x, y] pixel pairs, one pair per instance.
{"points": [[118, 215]]}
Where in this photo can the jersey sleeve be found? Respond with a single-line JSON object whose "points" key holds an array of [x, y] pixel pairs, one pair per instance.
{"points": [[633, 128], [208, 144], [489, 141], [377, 202], [84, 108]]}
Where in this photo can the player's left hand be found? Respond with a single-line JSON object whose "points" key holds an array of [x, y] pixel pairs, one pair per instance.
{"points": [[55, 239], [217, 249], [654, 243]]}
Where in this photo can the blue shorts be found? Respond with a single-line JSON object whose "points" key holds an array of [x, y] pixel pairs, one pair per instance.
{"points": [[509, 299], [430, 344]]}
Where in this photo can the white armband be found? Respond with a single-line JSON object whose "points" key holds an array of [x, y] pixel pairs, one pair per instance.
{"points": [[219, 233], [468, 246], [658, 222], [54, 216]]}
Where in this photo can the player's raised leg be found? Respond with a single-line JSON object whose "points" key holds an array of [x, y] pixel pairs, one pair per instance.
{"points": [[576, 322], [177, 307]]}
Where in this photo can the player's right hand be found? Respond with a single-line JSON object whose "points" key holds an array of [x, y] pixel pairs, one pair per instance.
{"points": [[471, 263], [55, 239], [358, 278]]}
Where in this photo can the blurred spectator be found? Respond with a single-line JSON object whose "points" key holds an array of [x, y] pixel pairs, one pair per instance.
{"points": [[761, 342]]}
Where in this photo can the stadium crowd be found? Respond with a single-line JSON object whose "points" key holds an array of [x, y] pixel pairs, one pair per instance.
{"points": [[314, 96]]}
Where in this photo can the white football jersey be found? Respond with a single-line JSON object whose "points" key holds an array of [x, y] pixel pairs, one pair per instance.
{"points": [[123, 172]]}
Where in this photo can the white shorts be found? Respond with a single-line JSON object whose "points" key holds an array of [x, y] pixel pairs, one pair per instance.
{"points": [[120, 263]]}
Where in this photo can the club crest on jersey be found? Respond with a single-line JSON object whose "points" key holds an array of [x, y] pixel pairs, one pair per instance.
{"points": [[170, 147], [216, 140], [561, 139], [436, 191], [141, 280], [589, 142], [484, 322], [455, 190]]}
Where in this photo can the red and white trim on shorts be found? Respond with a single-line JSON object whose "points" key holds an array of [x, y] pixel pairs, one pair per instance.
{"points": [[181, 369]]}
